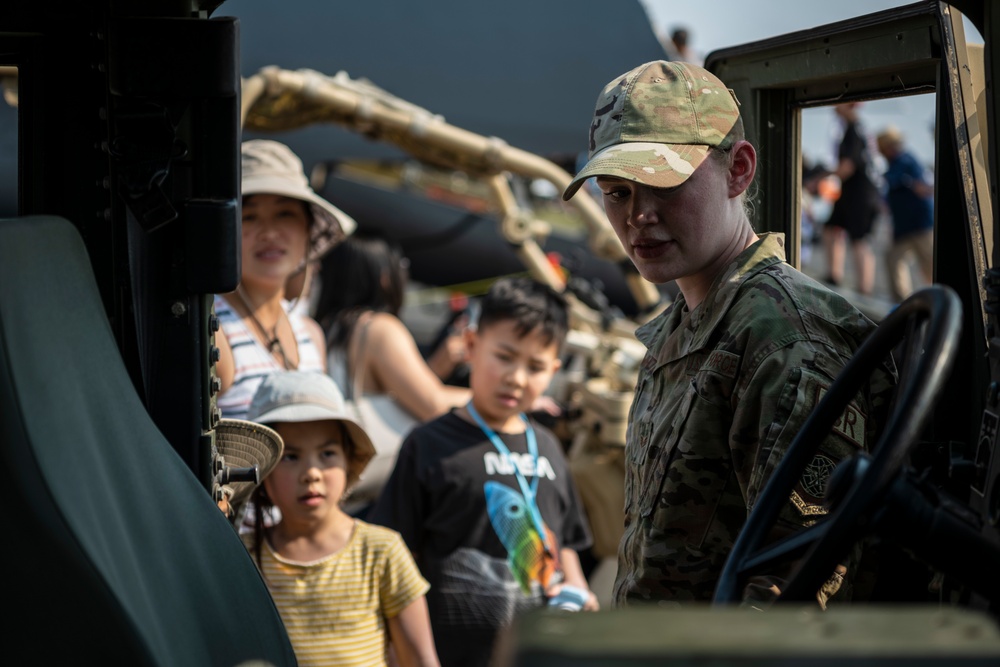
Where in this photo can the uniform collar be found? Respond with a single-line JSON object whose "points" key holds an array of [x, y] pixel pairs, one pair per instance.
{"points": [[690, 331]]}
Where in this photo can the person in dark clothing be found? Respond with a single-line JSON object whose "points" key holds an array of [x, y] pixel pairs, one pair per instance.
{"points": [[911, 202], [854, 213]]}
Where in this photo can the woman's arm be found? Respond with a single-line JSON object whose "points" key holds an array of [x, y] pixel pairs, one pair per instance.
{"points": [[316, 334], [451, 352], [845, 168], [225, 367], [394, 362], [410, 633], [448, 355]]}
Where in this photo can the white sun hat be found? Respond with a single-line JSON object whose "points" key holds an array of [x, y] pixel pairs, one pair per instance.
{"points": [[270, 167]]}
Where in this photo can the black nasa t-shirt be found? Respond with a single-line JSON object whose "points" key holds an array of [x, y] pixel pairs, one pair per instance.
{"points": [[448, 480]]}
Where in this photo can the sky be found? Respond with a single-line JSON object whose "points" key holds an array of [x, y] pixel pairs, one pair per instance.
{"points": [[751, 20]]}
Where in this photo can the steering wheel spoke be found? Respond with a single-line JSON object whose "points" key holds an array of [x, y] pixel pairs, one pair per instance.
{"points": [[784, 550]]}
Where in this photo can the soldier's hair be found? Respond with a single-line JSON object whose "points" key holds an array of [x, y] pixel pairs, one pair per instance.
{"points": [[724, 156], [530, 304]]}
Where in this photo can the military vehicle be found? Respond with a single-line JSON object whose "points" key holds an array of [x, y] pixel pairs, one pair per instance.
{"points": [[128, 197]]}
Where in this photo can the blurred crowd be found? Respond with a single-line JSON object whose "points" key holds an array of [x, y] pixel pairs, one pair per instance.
{"points": [[874, 205]]}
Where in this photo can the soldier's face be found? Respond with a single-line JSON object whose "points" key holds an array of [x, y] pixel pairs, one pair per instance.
{"points": [[685, 233]]}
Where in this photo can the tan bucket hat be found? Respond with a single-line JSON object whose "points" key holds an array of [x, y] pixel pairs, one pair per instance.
{"points": [[270, 167], [301, 396]]}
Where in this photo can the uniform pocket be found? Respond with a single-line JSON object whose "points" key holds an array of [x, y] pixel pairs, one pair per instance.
{"points": [[694, 474], [655, 473], [635, 454]]}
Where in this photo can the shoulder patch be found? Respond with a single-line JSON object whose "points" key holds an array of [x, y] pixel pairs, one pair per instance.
{"points": [[811, 487], [852, 424], [723, 363], [816, 475], [807, 508]]}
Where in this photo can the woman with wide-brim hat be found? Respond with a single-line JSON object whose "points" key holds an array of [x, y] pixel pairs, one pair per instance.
{"points": [[286, 226]]}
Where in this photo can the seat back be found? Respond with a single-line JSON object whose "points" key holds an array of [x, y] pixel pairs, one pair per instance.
{"points": [[114, 553]]}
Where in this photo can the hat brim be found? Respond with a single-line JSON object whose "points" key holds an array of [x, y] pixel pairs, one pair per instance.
{"points": [[301, 411], [653, 164], [245, 444], [331, 225], [364, 449]]}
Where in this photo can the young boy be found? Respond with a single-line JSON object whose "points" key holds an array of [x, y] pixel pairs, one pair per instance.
{"points": [[343, 587], [482, 495]]}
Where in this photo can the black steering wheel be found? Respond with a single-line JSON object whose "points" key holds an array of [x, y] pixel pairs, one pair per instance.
{"points": [[933, 315]]}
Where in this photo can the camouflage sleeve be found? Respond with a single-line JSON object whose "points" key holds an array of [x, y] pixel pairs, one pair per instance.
{"points": [[771, 409]]}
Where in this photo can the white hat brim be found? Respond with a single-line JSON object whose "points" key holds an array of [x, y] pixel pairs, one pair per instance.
{"points": [[364, 449]]}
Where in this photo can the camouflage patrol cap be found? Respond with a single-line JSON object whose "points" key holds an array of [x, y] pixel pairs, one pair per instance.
{"points": [[655, 125]]}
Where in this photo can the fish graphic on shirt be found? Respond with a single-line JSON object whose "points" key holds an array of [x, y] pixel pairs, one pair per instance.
{"points": [[526, 554]]}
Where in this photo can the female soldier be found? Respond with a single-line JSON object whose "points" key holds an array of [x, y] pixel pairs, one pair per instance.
{"points": [[739, 360]]}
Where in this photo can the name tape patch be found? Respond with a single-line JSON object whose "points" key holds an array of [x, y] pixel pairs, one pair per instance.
{"points": [[852, 423], [723, 363]]}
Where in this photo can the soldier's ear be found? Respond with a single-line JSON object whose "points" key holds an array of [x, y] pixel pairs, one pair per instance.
{"points": [[742, 167]]}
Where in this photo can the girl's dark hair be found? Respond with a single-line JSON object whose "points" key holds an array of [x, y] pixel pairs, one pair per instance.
{"points": [[262, 510], [357, 275], [530, 304]]}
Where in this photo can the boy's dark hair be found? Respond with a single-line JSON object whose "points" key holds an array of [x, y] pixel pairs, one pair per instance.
{"points": [[529, 303]]}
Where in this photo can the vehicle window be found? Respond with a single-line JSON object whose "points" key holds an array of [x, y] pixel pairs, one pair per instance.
{"points": [[895, 139]]}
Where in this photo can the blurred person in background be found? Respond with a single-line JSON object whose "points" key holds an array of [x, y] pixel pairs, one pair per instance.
{"points": [[854, 213], [679, 46], [910, 195]]}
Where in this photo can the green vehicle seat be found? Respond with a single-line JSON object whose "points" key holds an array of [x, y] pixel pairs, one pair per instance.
{"points": [[114, 553]]}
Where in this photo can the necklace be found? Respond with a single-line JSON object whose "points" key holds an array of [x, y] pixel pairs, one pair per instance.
{"points": [[271, 341]]}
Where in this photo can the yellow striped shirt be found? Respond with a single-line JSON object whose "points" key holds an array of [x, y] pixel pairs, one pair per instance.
{"points": [[335, 609]]}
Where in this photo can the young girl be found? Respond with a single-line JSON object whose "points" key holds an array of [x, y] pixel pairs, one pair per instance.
{"points": [[285, 226], [339, 583]]}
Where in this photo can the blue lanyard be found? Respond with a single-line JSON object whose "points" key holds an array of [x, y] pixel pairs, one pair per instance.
{"points": [[530, 492]]}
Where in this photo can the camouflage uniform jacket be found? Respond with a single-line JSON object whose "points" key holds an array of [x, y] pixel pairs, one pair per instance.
{"points": [[722, 392]]}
